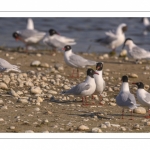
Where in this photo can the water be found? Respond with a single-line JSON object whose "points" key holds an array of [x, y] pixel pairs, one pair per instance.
{"points": [[85, 30]]}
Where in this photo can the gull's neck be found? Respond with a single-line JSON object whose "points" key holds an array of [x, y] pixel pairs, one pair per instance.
{"points": [[68, 53], [100, 72], [130, 44], [125, 87], [89, 79]]}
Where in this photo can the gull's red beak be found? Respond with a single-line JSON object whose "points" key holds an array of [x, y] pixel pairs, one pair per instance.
{"points": [[96, 73], [98, 67]]}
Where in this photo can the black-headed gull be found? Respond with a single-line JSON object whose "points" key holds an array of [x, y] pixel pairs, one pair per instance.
{"points": [[56, 41], [116, 39], [76, 61], [135, 51], [100, 83], [85, 88], [146, 24], [143, 96], [29, 36], [125, 99], [5, 66]]}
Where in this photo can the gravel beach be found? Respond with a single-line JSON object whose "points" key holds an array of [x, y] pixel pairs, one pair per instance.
{"points": [[31, 101]]}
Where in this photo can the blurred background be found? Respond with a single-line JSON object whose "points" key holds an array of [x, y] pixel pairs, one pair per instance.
{"points": [[84, 30]]}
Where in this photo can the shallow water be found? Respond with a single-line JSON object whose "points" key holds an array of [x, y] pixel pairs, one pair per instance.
{"points": [[85, 30]]}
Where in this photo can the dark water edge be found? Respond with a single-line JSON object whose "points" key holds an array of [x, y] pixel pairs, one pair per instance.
{"points": [[84, 29]]}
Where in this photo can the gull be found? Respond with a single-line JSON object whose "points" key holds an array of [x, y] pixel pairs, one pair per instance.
{"points": [[100, 83], [146, 24], [125, 99], [143, 96], [85, 88], [56, 41], [135, 51], [114, 40], [5, 66], [29, 36], [76, 61]]}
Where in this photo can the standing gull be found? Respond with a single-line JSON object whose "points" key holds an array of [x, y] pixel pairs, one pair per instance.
{"points": [[56, 41], [100, 83], [29, 36], [85, 88], [76, 61], [125, 99], [5, 66], [114, 40], [135, 51], [143, 96]]}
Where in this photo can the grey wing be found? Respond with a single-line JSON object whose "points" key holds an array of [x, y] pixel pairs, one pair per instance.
{"points": [[76, 90], [79, 61], [107, 40], [126, 99], [5, 64]]}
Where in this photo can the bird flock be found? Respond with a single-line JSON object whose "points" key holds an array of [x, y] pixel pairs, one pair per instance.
{"points": [[94, 82]]}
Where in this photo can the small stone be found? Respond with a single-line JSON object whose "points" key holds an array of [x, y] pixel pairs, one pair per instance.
{"points": [[112, 104], [4, 107], [37, 109], [12, 127], [3, 86], [83, 128], [66, 87], [52, 92], [108, 124], [96, 130], [29, 131], [147, 123], [13, 93], [46, 65], [22, 100], [140, 110], [110, 89], [106, 56], [136, 126], [133, 75], [103, 126], [39, 100], [36, 90], [115, 125], [39, 55], [123, 53], [123, 129], [1, 119], [1, 102], [35, 63]]}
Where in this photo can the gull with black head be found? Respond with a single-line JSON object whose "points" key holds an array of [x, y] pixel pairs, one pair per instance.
{"points": [[125, 99], [85, 88], [75, 60], [143, 96]]}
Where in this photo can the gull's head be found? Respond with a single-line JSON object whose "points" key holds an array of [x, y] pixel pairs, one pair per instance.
{"points": [[99, 66], [124, 79], [122, 27], [145, 21], [16, 35], [127, 42], [53, 32], [67, 48], [91, 72], [140, 85]]}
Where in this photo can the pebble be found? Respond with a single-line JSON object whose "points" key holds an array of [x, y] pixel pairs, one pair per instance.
{"points": [[3, 86], [29, 131], [22, 100], [12, 127], [140, 110], [1, 119], [39, 55], [46, 65], [83, 128], [13, 93], [106, 56], [136, 126], [37, 109], [4, 107], [96, 130], [123, 129], [39, 100], [112, 104], [36, 90], [133, 75], [52, 92], [66, 87], [1, 102], [35, 63], [123, 53], [147, 123], [108, 124], [103, 126], [115, 125]]}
